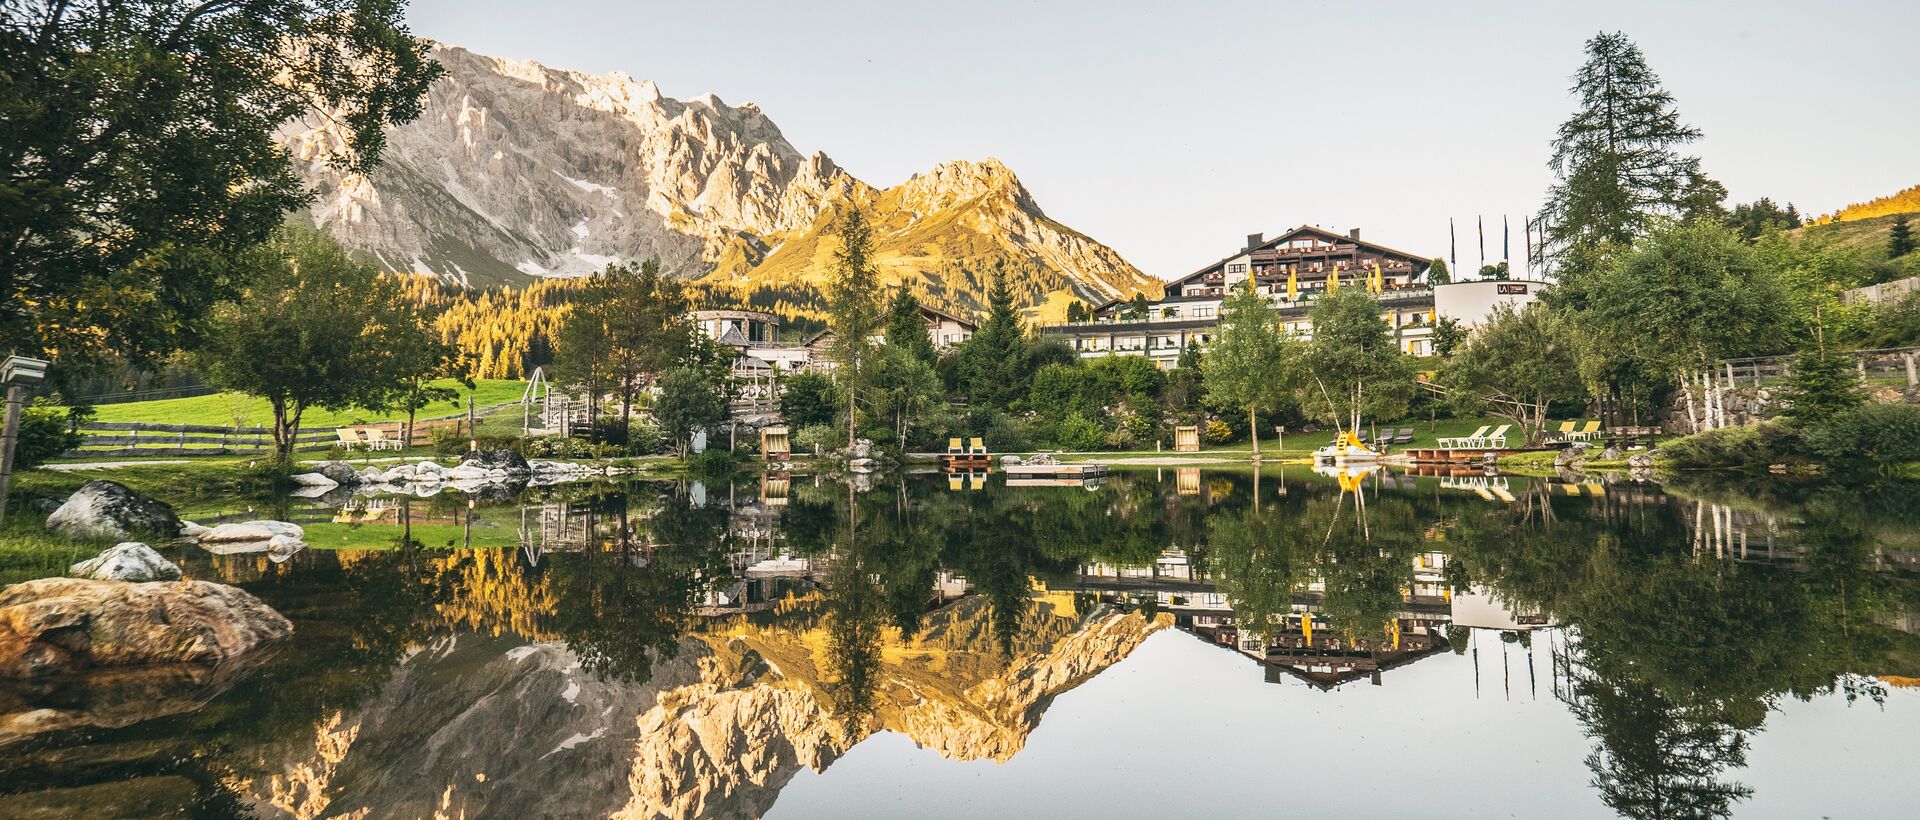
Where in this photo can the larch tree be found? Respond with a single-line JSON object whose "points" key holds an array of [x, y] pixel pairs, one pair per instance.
{"points": [[138, 162], [1617, 164], [853, 309], [1250, 362]]}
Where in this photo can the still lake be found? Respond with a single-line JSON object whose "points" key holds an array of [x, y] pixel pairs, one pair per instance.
{"points": [[1163, 642]]}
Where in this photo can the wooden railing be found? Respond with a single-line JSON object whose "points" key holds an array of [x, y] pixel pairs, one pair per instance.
{"points": [[1897, 363]]}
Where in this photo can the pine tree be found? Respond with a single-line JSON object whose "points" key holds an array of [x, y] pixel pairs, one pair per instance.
{"points": [[853, 308], [1616, 161], [1899, 238], [1820, 385], [993, 362], [907, 328]]}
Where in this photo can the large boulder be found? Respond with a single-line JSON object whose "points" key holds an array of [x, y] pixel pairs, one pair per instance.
{"points": [[1640, 461], [107, 509], [1570, 456], [58, 626], [127, 561], [339, 472], [313, 480], [502, 459]]}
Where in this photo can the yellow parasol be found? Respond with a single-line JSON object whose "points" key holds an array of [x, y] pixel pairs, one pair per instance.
{"points": [[1306, 626], [1379, 283], [1293, 286], [1333, 280]]}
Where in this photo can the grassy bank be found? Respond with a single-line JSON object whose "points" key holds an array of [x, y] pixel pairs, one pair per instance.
{"points": [[229, 409]]}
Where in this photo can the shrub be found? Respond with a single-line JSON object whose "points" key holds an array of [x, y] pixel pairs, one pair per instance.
{"points": [[446, 440], [1882, 434], [1077, 433], [710, 463], [1769, 442], [44, 433], [1007, 435], [1129, 430], [1216, 432], [816, 438], [643, 439]]}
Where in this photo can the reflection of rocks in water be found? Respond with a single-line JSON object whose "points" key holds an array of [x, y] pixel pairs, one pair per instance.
{"points": [[480, 726], [111, 698]]}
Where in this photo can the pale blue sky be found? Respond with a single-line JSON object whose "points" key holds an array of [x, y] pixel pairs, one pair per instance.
{"points": [[1170, 130]]}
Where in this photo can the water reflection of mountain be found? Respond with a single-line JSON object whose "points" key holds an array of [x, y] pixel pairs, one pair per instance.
{"points": [[674, 649], [469, 724]]}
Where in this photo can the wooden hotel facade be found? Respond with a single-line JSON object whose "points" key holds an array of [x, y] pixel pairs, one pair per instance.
{"points": [[1292, 269]]}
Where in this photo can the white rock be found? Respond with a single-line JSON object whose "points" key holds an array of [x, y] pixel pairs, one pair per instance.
{"points": [[262, 530], [192, 531], [466, 472], [313, 480], [372, 475], [126, 561]]}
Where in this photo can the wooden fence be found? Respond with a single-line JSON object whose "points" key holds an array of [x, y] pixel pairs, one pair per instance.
{"points": [[137, 438], [1897, 364]]}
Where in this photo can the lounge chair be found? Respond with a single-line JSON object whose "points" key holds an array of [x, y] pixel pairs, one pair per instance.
{"points": [[1404, 436], [1495, 441], [954, 448], [1567, 429], [350, 438], [1591, 432], [1462, 441], [377, 440], [976, 446]]}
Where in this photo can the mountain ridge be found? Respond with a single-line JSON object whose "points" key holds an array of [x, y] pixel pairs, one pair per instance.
{"points": [[517, 170]]}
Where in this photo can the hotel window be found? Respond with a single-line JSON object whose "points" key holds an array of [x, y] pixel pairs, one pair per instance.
{"points": [[1203, 313], [1237, 267]]}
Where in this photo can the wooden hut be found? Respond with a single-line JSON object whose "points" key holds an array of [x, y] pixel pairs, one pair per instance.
{"points": [[774, 445], [1186, 439]]}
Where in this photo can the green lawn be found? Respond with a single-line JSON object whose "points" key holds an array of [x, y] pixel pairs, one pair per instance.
{"points": [[224, 409]]}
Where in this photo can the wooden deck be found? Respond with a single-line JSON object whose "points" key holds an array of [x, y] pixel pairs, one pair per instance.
{"points": [[966, 461], [1465, 455]]}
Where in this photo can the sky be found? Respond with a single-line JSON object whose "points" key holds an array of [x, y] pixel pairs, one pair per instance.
{"points": [[1171, 130]]}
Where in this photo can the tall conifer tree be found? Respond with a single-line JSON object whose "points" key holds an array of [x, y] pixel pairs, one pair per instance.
{"points": [[1617, 163], [853, 308]]}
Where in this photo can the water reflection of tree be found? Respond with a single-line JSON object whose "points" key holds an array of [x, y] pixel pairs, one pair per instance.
{"points": [[1679, 658], [626, 600]]}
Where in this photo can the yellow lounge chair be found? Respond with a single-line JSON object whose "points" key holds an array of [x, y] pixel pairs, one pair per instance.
{"points": [[1589, 432], [350, 439], [976, 446], [954, 448]]}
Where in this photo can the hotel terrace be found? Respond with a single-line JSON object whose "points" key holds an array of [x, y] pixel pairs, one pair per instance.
{"points": [[1292, 269]]}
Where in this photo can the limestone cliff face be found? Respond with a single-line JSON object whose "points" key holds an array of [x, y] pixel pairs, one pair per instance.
{"points": [[489, 726], [517, 169]]}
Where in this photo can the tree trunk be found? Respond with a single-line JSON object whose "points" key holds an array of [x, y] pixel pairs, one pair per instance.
{"points": [[1253, 429]]}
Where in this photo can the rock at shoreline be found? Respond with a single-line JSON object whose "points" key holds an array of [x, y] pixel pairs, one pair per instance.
{"points": [[262, 530], [56, 626], [127, 561], [339, 472], [313, 480], [507, 461], [107, 509], [1640, 461]]}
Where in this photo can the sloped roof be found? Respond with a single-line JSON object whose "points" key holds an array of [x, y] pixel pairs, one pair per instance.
{"points": [[1296, 233]]}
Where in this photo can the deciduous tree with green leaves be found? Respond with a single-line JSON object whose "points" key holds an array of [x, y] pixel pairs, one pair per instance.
{"points": [[1515, 365], [689, 401], [1353, 368], [627, 327], [138, 163], [1250, 363], [313, 329]]}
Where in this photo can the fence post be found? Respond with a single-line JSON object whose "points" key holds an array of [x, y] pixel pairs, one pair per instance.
{"points": [[1913, 376]]}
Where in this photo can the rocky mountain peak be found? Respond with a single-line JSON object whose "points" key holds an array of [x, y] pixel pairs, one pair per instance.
{"points": [[518, 169]]}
